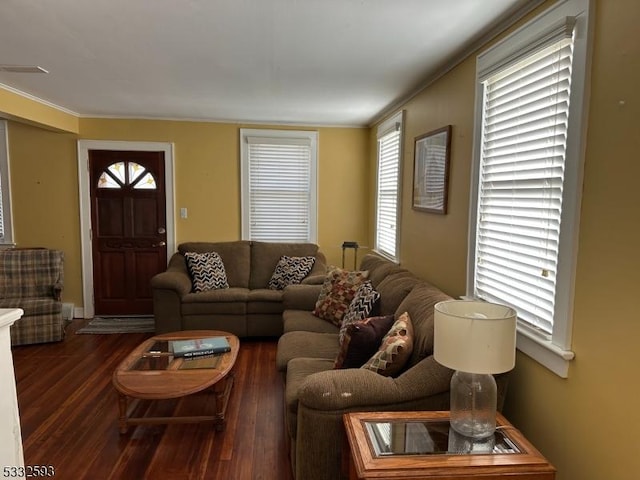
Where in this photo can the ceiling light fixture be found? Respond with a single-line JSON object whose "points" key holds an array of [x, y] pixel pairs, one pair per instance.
{"points": [[22, 69]]}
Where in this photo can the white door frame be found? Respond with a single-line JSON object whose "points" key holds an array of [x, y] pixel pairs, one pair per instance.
{"points": [[85, 205]]}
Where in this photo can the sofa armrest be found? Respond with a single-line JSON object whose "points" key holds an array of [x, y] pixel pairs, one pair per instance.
{"points": [[172, 280], [300, 297], [168, 289], [325, 396], [176, 277], [360, 388], [314, 279]]}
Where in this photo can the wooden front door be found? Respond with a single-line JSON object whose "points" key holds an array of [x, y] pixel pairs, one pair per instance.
{"points": [[128, 229]]}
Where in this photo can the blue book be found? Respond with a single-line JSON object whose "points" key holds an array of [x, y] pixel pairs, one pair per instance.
{"points": [[200, 346]]}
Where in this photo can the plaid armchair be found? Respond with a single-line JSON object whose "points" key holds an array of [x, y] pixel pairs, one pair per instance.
{"points": [[32, 279]]}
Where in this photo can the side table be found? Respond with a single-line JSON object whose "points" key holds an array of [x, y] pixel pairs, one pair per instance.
{"points": [[419, 445]]}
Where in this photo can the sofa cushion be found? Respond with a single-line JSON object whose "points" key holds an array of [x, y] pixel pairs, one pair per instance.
{"points": [[232, 301], [226, 295], [393, 290], [338, 290], [206, 270], [301, 297], [302, 320], [419, 304], [395, 349], [265, 257], [360, 307], [264, 295], [290, 271], [264, 300], [236, 257], [305, 344], [361, 340], [213, 308], [379, 268]]}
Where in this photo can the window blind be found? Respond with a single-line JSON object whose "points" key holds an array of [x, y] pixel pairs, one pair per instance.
{"points": [[387, 195], [525, 119], [279, 177]]}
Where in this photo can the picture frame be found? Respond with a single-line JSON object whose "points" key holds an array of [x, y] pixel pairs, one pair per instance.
{"points": [[431, 171]]}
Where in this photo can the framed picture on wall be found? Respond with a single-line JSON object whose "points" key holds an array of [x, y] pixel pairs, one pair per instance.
{"points": [[431, 170]]}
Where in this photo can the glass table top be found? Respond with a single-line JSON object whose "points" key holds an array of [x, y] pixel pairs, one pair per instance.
{"points": [[431, 438]]}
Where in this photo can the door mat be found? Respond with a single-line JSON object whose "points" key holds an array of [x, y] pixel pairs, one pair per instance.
{"points": [[103, 325]]}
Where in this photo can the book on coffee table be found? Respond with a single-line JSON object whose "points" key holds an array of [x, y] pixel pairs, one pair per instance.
{"points": [[200, 346], [200, 361]]}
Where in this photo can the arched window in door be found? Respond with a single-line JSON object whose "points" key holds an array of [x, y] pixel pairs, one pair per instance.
{"points": [[131, 174]]}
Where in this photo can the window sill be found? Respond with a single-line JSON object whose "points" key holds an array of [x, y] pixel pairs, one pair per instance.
{"points": [[544, 352]]}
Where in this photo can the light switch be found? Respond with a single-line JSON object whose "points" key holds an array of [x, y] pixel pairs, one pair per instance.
{"points": [[183, 212]]}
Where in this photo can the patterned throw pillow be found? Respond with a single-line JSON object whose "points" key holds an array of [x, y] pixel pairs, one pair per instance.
{"points": [[206, 270], [336, 294], [360, 307], [290, 271], [361, 340], [395, 349]]}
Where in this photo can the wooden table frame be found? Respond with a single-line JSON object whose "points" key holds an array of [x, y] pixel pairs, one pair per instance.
{"points": [[136, 385], [529, 464]]}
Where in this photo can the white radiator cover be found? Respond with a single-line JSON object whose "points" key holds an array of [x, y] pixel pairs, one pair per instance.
{"points": [[67, 311]]}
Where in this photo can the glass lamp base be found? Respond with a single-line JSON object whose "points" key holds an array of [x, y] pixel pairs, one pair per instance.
{"points": [[473, 404]]}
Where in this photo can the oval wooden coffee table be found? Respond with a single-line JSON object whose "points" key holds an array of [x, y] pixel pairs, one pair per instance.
{"points": [[152, 372]]}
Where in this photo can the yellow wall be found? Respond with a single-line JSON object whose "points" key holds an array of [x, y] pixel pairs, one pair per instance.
{"points": [[586, 424], [207, 182], [15, 106], [431, 243], [44, 196]]}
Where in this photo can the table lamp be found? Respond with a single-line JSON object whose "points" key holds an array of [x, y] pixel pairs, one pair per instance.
{"points": [[477, 339]]}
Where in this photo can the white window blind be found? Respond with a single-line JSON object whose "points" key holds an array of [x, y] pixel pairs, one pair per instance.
{"points": [[279, 186], [524, 135], [389, 141]]}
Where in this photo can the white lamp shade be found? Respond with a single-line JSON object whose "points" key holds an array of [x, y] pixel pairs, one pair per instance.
{"points": [[474, 336]]}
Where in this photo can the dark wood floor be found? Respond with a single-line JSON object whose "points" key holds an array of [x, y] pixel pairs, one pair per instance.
{"points": [[68, 413]]}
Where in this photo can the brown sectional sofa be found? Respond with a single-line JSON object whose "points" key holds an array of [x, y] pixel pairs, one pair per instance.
{"points": [[316, 395], [247, 308]]}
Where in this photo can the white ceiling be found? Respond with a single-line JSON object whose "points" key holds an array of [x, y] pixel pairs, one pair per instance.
{"points": [[322, 62]]}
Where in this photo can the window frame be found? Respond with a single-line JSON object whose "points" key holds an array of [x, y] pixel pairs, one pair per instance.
{"points": [[6, 217], [553, 351], [394, 123], [295, 136]]}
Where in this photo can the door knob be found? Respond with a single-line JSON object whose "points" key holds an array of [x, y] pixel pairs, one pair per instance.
{"points": [[160, 244]]}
